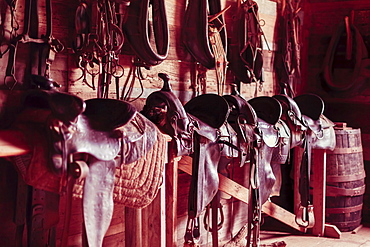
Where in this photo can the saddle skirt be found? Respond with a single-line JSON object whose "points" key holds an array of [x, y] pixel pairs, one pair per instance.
{"points": [[320, 129], [139, 136], [321, 132], [281, 151], [292, 116]]}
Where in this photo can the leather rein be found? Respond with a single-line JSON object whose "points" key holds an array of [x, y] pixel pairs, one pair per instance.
{"points": [[245, 52], [291, 46]]}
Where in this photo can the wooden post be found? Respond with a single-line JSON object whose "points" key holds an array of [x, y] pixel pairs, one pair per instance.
{"points": [[319, 191], [147, 227], [133, 226], [153, 232], [171, 178]]}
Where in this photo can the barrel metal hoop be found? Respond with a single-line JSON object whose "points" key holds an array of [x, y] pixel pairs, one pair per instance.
{"points": [[345, 210], [333, 191], [345, 178]]}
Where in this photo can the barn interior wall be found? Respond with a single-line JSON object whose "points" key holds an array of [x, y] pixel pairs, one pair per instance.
{"points": [[179, 65], [320, 24], [321, 18]]}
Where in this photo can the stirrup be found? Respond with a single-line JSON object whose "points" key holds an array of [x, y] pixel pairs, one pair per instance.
{"points": [[192, 234], [304, 212], [221, 218]]}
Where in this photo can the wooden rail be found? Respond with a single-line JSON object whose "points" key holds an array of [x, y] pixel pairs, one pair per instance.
{"points": [[163, 210]]}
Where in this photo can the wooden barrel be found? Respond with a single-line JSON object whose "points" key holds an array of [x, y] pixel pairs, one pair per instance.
{"points": [[345, 181]]}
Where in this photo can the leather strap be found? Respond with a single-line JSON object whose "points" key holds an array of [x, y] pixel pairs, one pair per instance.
{"points": [[136, 29], [348, 87], [305, 215], [9, 79], [245, 52], [98, 200], [20, 210], [43, 219]]}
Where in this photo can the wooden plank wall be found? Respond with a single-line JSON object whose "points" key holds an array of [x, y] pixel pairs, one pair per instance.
{"points": [[320, 22], [179, 65]]}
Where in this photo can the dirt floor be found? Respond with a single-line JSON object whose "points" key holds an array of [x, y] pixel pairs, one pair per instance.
{"points": [[358, 237]]}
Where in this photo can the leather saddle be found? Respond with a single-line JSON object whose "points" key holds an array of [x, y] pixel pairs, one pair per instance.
{"points": [[166, 111], [274, 132], [191, 125], [273, 143], [199, 129], [210, 112], [90, 139], [319, 126], [320, 134], [215, 145]]}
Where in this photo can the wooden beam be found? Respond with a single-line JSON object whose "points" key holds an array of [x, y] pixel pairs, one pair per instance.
{"points": [[13, 142], [241, 193], [282, 215], [226, 184], [332, 231]]}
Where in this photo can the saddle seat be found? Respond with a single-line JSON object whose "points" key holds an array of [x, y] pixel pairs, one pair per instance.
{"points": [[268, 111], [108, 114], [210, 112], [63, 106], [212, 109], [310, 105], [266, 108]]}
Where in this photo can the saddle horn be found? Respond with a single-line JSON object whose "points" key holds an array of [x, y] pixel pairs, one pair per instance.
{"points": [[166, 82]]}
